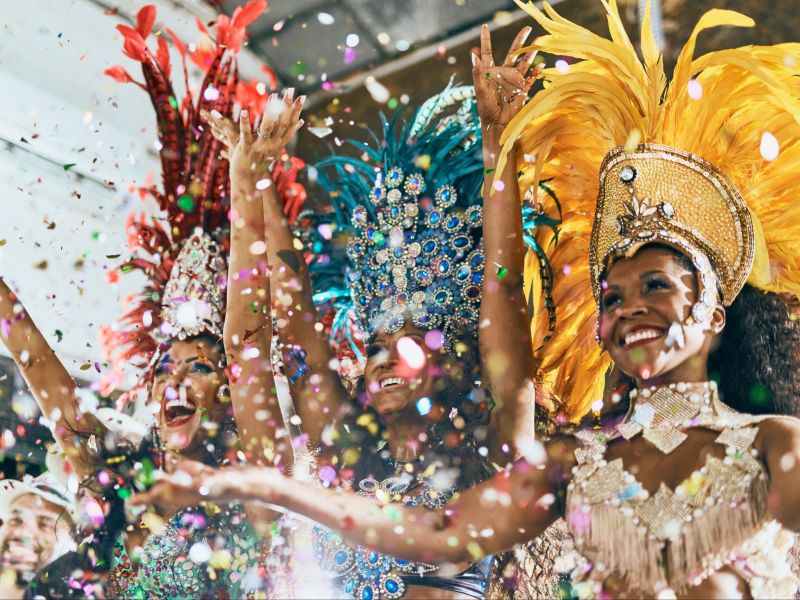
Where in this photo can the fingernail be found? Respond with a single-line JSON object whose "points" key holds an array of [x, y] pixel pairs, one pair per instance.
{"points": [[302, 99], [216, 113], [244, 112], [290, 92], [474, 59]]}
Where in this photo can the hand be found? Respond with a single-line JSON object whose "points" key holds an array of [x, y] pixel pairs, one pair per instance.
{"points": [[500, 92], [192, 483], [251, 155]]}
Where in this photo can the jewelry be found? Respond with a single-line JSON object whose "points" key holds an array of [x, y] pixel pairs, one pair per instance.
{"points": [[224, 393], [661, 411]]}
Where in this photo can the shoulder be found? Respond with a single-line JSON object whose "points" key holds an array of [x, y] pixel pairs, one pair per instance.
{"points": [[778, 433]]}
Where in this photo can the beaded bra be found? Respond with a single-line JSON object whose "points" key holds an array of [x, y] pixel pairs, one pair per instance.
{"points": [[365, 573], [676, 538], [196, 554]]}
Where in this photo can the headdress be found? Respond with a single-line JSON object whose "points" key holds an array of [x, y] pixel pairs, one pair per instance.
{"points": [[411, 211], [635, 159], [184, 254]]}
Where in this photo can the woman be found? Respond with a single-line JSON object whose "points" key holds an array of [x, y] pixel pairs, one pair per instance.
{"points": [[207, 370], [685, 496], [417, 430]]}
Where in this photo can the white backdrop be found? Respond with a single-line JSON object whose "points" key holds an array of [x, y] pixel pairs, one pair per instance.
{"points": [[59, 226]]}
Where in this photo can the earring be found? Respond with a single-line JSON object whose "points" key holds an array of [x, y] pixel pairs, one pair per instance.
{"points": [[224, 393]]}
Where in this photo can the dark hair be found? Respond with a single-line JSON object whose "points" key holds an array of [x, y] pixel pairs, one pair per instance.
{"points": [[757, 363], [360, 438], [129, 468], [757, 360]]}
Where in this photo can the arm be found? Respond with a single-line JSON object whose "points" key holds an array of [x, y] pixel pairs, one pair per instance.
{"points": [[504, 336], [779, 441], [48, 380], [513, 507], [318, 395]]}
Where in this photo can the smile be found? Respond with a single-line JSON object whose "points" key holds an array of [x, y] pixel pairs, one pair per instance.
{"points": [[178, 411], [388, 382], [640, 337]]}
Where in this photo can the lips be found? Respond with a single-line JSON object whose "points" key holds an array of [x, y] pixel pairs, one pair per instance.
{"points": [[392, 381], [178, 411], [641, 335]]}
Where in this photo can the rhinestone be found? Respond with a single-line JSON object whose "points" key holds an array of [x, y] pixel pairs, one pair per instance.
{"points": [[394, 195], [627, 174]]}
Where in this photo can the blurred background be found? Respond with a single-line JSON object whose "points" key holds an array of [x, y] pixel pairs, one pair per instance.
{"points": [[76, 144]]}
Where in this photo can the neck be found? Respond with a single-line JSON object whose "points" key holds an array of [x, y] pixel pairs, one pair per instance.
{"points": [[687, 373], [404, 437]]}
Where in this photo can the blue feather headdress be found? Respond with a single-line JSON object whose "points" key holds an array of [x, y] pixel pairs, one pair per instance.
{"points": [[410, 209]]}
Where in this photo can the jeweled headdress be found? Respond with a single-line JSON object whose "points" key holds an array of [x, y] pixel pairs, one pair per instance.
{"points": [[704, 163], [183, 251], [412, 212]]}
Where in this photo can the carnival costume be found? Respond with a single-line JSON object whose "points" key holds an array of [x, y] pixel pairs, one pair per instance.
{"points": [[184, 257], [635, 161], [411, 208]]}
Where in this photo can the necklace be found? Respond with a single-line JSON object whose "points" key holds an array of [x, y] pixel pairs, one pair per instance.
{"points": [[658, 413]]}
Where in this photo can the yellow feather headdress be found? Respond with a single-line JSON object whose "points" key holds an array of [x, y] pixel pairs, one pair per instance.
{"points": [[727, 108]]}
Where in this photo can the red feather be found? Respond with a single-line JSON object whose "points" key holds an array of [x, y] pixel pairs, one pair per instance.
{"points": [[133, 46], [145, 19], [120, 74], [162, 57]]}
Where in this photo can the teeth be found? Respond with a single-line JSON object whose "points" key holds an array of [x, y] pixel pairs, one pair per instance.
{"points": [[393, 381], [179, 402], [642, 334]]}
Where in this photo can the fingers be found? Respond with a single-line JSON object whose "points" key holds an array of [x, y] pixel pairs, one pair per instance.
{"points": [[511, 56], [270, 119], [486, 47], [245, 133], [525, 62]]}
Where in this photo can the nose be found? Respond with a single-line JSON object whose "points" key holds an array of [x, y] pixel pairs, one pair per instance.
{"points": [[630, 308]]}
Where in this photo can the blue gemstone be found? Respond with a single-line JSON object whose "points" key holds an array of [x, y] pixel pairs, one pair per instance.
{"points": [[366, 593], [398, 252], [435, 217], [395, 211], [476, 260], [445, 195], [461, 241], [440, 297], [453, 222], [340, 557], [373, 556], [401, 562], [391, 586], [349, 586], [444, 266], [476, 278], [429, 246]]}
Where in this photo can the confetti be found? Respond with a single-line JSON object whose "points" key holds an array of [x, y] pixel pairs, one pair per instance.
{"points": [[68, 166], [502, 272], [769, 146]]}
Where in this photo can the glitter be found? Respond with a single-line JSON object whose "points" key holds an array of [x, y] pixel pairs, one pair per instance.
{"points": [[424, 405]]}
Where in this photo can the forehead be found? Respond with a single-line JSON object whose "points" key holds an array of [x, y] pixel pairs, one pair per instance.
{"points": [[197, 346], [648, 258], [407, 329], [37, 505]]}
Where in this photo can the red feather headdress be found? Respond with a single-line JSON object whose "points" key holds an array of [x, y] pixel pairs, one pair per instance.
{"points": [[196, 188]]}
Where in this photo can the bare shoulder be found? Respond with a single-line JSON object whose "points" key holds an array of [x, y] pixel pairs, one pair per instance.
{"points": [[778, 431]]}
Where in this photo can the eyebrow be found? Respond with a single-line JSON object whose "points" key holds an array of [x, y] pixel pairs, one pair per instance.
{"points": [[647, 274]]}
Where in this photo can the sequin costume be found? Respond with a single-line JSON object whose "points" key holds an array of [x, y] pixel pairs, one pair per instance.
{"points": [[715, 518], [183, 255], [195, 555], [412, 211], [636, 160]]}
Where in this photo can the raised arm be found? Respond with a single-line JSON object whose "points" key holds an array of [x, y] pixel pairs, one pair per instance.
{"points": [[513, 507], [48, 379], [504, 335], [316, 390]]}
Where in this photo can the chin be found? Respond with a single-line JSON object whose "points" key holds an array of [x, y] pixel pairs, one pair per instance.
{"points": [[181, 437]]}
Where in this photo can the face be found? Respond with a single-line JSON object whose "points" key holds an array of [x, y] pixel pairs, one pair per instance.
{"points": [[644, 308], [28, 538], [401, 369], [186, 385]]}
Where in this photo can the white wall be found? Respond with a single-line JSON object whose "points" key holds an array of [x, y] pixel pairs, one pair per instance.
{"points": [[52, 57]]}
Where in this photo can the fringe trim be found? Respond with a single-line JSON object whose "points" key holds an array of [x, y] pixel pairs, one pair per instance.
{"points": [[706, 544], [617, 542]]}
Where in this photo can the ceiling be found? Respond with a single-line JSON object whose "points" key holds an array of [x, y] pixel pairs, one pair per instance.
{"points": [[310, 42]]}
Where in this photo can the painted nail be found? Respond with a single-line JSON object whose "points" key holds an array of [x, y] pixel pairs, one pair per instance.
{"points": [[244, 112], [290, 92], [302, 99], [474, 58], [216, 114]]}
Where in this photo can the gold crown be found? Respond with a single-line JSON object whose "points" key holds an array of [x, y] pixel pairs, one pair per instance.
{"points": [[660, 194]]}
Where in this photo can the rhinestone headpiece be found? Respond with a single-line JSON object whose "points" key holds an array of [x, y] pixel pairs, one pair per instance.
{"points": [[661, 194], [417, 260], [194, 300]]}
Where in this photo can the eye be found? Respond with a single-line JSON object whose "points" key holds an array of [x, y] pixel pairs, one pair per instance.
{"points": [[201, 367], [610, 300], [656, 284], [374, 350]]}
